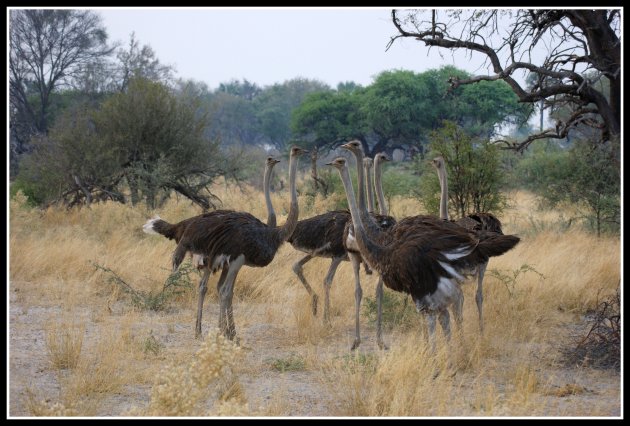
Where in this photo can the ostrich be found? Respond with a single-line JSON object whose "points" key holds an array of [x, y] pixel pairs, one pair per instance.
{"points": [[382, 222], [469, 263], [198, 260], [473, 223], [326, 235], [423, 256], [228, 239]]}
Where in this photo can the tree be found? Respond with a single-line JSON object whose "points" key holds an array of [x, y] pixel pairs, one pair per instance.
{"points": [[473, 170], [275, 104], [577, 41], [161, 138], [582, 175], [148, 140], [326, 119], [48, 48], [72, 164], [400, 109]]}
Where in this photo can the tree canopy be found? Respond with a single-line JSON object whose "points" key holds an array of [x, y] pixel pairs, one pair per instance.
{"points": [[400, 109], [581, 47]]}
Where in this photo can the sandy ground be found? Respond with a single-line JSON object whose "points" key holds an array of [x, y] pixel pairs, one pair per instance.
{"points": [[292, 393]]}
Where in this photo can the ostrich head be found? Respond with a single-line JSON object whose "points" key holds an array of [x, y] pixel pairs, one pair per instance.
{"points": [[381, 156], [353, 146], [272, 161], [438, 162], [297, 151], [338, 163], [368, 162]]}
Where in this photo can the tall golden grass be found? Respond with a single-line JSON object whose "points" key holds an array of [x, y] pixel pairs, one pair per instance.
{"points": [[514, 369]]}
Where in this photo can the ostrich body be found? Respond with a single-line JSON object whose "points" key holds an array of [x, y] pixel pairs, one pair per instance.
{"points": [[474, 223], [328, 235], [227, 240], [422, 256], [492, 245]]}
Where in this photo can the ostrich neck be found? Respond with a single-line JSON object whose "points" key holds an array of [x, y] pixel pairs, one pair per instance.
{"points": [[367, 219], [370, 250], [370, 192], [271, 214], [285, 231], [443, 193], [378, 184]]}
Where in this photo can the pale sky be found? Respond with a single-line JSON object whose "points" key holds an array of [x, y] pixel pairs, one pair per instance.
{"points": [[272, 45]]}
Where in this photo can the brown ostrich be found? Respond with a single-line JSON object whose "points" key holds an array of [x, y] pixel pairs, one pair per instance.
{"points": [[326, 235], [475, 223], [227, 240], [486, 244]]}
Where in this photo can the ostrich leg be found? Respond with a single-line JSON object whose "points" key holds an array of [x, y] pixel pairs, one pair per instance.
{"points": [[327, 283], [358, 293], [379, 314], [479, 296], [203, 287], [297, 268], [226, 291]]}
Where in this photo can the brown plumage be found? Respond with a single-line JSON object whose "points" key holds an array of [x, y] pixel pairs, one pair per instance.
{"points": [[423, 256], [227, 240], [480, 224], [325, 235]]}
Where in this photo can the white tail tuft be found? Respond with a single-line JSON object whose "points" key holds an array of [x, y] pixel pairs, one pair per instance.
{"points": [[148, 227]]}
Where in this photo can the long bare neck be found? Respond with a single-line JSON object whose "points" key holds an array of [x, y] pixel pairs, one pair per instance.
{"points": [[368, 182], [378, 186], [367, 219], [443, 192], [367, 247], [271, 214], [285, 231]]}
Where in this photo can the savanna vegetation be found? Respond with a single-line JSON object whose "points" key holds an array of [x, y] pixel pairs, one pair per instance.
{"points": [[98, 325]]}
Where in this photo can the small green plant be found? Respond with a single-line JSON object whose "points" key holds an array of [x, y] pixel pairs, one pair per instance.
{"points": [[178, 282], [509, 278], [359, 360], [151, 345], [293, 362], [396, 310]]}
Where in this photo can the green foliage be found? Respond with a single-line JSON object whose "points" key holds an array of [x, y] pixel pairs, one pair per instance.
{"points": [[274, 107], [401, 107], [359, 361], [509, 278], [72, 153], [585, 175], [152, 345], [399, 179], [147, 138], [294, 362], [397, 312], [27, 189], [324, 119], [473, 173]]}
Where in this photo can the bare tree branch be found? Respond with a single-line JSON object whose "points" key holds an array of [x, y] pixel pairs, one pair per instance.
{"points": [[576, 42]]}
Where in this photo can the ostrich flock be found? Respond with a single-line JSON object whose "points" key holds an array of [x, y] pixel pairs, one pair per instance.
{"points": [[425, 256]]}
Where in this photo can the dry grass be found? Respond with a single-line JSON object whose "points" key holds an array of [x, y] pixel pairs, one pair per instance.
{"points": [[103, 356], [64, 341]]}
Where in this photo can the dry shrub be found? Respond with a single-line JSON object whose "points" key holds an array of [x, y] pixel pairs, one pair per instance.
{"points": [[182, 390], [47, 408], [63, 343], [599, 345]]}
